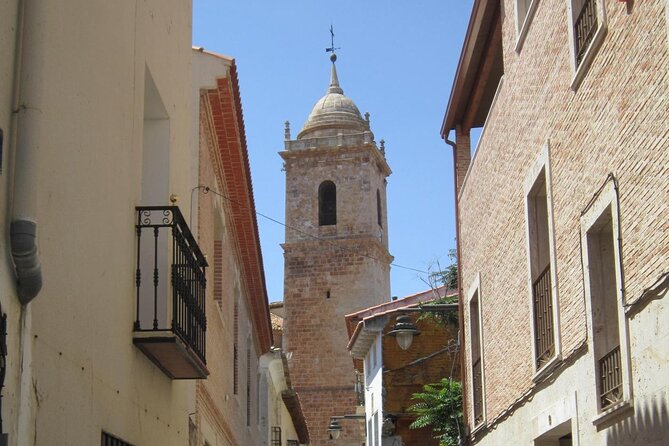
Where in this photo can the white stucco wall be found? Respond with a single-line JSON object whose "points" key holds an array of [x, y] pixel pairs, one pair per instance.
{"points": [[373, 365], [9, 303], [87, 88]]}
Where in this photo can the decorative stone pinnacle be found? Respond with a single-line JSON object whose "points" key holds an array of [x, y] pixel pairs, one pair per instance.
{"points": [[286, 131], [383, 146], [367, 120]]}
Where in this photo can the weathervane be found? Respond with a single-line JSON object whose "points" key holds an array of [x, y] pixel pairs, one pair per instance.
{"points": [[332, 48]]}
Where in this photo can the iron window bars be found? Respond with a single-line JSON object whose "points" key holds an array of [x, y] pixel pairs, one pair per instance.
{"points": [[610, 379], [584, 29], [543, 318]]}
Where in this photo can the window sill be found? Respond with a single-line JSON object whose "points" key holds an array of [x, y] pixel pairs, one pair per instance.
{"points": [[526, 25], [478, 428], [547, 368], [614, 411], [583, 68]]}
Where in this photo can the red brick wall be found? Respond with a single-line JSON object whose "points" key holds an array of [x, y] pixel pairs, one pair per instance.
{"points": [[617, 121]]}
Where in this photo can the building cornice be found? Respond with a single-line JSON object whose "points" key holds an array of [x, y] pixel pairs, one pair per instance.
{"points": [[227, 121]]}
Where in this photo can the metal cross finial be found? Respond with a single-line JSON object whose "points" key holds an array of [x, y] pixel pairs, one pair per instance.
{"points": [[332, 48]]}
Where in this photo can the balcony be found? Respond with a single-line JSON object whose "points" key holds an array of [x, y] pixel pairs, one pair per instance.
{"points": [[170, 283], [543, 318]]}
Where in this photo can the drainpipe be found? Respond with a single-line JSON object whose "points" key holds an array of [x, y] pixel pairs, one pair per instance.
{"points": [[28, 87], [25, 135], [461, 320]]}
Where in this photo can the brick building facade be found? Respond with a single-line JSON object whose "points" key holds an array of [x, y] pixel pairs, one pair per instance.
{"points": [[336, 252], [562, 235], [242, 400]]}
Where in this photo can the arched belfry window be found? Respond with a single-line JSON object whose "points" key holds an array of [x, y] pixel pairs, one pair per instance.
{"points": [[327, 204], [378, 208]]}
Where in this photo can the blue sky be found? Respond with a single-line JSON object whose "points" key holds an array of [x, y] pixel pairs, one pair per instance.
{"points": [[397, 61]]}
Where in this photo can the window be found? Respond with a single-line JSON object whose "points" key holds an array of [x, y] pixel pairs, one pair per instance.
{"points": [[327, 204], [248, 385], [110, 440], [524, 13], [235, 352], [1, 141], [604, 298], [379, 218], [218, 272], [587, 26], [543, 292], [476, 352], [292, 443], [276, 436], [558, 436]]}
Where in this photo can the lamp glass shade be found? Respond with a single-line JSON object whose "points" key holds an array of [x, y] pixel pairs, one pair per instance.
{"points": [[334, 429], [404, 330], [404, 339]]}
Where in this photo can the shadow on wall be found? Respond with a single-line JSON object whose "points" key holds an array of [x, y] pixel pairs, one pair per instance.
{"points": [[648, 426]]}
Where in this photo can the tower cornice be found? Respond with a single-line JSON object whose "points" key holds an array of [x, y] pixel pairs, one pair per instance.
{"points": [[325, 152]]}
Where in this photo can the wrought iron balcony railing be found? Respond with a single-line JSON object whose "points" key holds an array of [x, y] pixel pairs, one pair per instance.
{"points": [[543, 318], [477, 379], [170, 283], [584, 29], [610, 379]]}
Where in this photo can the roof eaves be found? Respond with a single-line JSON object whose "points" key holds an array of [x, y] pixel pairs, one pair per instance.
{"points": [[467, 64]]}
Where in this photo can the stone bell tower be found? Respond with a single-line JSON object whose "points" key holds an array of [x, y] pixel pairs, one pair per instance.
{"points": [[336, 253]]}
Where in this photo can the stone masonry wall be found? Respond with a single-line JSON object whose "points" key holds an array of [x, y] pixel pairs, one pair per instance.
{"points": [[344, 270]]}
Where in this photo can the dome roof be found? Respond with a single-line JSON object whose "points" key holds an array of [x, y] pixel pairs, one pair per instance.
{"points": [[333, 113]]}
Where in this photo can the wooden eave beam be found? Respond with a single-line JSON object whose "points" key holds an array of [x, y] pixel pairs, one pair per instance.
{"points": [[470, 59], [472, 107]]}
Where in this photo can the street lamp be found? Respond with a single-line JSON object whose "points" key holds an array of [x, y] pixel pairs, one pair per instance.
{"points": [[404, 331], [334, 429]]}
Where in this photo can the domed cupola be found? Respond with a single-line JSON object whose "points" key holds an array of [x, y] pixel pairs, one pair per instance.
{"points": [[334, 113]]}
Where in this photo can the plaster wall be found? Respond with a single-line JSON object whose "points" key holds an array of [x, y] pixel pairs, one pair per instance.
{"points": [[87, 87], [9, 303], [614, 122], [374, 391]]}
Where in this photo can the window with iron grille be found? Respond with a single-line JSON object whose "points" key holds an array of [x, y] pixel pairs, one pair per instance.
{"points": [[248, 386], [235, 348], [543, 311], [110, 440], [476, 357], [585, 25], [587, 30], [603, 282], [276, 436]]}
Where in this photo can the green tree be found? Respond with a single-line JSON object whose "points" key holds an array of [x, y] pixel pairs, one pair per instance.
{"points": [[439, 406]]}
